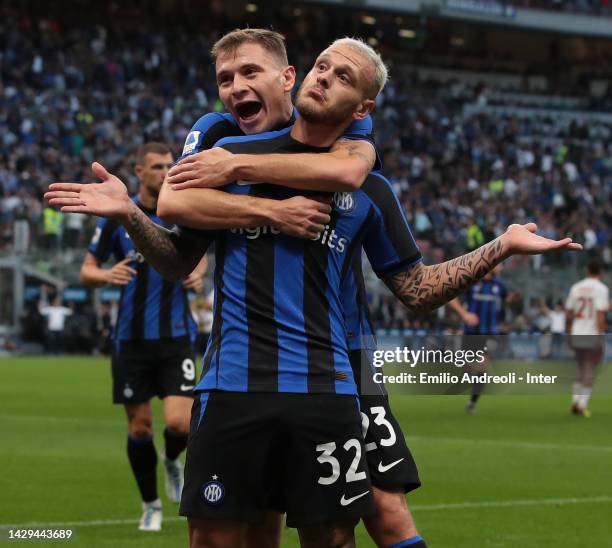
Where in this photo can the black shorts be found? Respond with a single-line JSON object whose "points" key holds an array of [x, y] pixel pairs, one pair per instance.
{"points": [[144, 369], [298, 453], [391, 464]]}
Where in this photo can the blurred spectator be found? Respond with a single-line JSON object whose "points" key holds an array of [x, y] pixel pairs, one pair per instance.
{"points": [[56, 315], [52, 226]]}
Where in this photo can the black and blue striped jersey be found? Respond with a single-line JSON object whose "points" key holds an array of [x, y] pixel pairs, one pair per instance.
{"points": [[151, 307], [486, 299], [279, 315]]}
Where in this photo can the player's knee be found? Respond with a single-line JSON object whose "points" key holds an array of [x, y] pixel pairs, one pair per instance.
{"points": [[140, 427], [178, 425], [332, 536], [210, 533]]}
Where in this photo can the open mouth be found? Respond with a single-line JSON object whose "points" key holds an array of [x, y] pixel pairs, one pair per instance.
{"points": [[248, 109]]}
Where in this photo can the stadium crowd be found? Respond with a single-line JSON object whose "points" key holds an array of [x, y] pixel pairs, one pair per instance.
{"points": [[71, 93]]}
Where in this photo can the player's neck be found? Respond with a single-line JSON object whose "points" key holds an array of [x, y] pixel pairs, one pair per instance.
{"points": [[316, 135], [147, 200]]}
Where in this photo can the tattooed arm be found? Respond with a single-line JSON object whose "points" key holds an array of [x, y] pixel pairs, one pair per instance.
{"points": [[342, 169], [423, 288], [173, 253]]}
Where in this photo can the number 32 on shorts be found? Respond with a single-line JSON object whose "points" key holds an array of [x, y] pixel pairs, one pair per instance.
{"points": [[326, 457]]}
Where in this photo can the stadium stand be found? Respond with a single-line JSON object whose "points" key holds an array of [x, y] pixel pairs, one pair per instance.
{"points": [[469, 149]]}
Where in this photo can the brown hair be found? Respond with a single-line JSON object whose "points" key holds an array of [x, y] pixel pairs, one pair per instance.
{"points": [[273, 42], [150, 148], [594, 267]]}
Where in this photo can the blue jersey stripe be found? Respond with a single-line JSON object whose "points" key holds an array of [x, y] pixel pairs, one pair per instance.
{"points": [[179, 328], [234, 315], [124, 323], [492, 315], [289, 276], [352, 313], [344, 382], [483, 311], [153, 305]]}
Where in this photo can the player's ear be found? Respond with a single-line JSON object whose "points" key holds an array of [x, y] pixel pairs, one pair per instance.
{"points": [[365, 108], [138, 169], [288, 78]]}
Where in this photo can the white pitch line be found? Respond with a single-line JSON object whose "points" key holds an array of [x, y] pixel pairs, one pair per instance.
{"points": [[75, 420], [93, 523], [508, 503], [416, 507], [512, 443]]}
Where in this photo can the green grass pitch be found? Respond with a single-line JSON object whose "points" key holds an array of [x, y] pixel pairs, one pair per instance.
{"points": [[521, 472]]}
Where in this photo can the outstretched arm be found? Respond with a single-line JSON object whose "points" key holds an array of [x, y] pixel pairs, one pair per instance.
{"points": [[343, 169], [172, 253], [423, 288]]}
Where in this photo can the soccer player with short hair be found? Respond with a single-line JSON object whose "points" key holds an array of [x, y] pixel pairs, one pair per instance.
{"points": [[586, 307], [152, 352]]}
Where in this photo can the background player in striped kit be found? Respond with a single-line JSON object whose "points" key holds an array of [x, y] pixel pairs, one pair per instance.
{"points": [[484, 312], [152, 352], [586, 307]]}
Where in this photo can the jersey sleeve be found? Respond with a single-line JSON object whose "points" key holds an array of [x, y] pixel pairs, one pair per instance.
{"points": [[388, 240], [364, 130], [103, 242], [207, 131], [204, 238]]}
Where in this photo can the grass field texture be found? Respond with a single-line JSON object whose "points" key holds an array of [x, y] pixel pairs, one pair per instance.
{"points": [[521, 472]]}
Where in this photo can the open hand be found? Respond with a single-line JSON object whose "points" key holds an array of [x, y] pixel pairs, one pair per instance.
{"points": [[108, 199], [522, 240]]}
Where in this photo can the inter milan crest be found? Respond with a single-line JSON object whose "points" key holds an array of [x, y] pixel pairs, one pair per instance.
{"points": [[344, 201], [213, 492]]}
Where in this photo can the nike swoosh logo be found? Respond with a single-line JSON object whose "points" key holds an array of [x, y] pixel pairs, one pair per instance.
{"points": [[383, 468], [187, 387], [346, 502], [247, 183]]}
